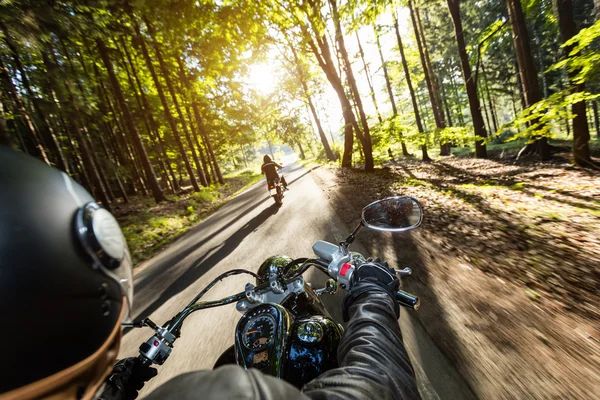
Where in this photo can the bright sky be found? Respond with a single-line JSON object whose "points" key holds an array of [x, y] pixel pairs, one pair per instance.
{"points": [[264, 76]]}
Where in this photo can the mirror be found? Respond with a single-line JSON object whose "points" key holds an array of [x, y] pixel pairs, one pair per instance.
{"points": [[394, 214]]}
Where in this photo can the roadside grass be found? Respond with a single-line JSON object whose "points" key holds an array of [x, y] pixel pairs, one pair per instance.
{"points": [[149, 227]]}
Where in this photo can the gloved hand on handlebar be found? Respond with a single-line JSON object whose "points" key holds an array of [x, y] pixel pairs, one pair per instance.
{"points": [[372, 275], [127, 379]]}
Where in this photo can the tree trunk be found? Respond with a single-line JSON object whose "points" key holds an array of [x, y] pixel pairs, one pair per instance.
{"points": [[326, 63], [126, 147], [368, 76], [527, 70], [459, 112], [581, 133], [207, 141], [388, 85], [163, 100], [365, 136], [4, 136], [116, 173], [89, 161], [184, 91], [410, 89], [47, 136], [171, 89], [150, 123], [32, 143], [470, 84], [445, 101], [485, 110], [135, 136], [596, 119], [302, 80], [438, 114], [302, 155], [489, 98]]}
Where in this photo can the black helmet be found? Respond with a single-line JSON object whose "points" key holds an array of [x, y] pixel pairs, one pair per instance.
{"points": [[65, 281], [266, 158], [270, 266]]}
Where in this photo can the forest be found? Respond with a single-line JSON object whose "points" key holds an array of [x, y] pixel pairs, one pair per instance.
{"points": [[147, 97]]}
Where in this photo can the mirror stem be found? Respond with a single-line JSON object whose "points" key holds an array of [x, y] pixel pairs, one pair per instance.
{"points": [[350, 239]]}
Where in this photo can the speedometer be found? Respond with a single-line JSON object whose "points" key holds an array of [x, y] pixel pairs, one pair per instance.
{"points": [[258, 332]]}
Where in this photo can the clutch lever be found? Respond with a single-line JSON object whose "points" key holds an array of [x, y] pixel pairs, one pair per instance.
{"points": [[403, 272]]}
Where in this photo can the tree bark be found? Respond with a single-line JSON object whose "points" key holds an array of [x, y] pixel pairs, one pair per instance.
{"points": [[368, 76], [429, 78], [596, 118], [489, 98], [47, 136], [458, 106], [302, 155], [89, 161], [410, 89], [365, 136], [4, 136], [150, 122], [135, 136], [32, 143], [208, 143], [302, 79], [581, 133], [470, 84], [527, 69], [388, 85], [445, 101], [163, 100], [171, 89], [322, 53]]}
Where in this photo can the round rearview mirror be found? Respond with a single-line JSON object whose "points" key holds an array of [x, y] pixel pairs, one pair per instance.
{"points": [[394, 214]]}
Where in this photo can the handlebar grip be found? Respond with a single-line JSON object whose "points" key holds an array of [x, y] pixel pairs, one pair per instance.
{"points": [[408, 300]]}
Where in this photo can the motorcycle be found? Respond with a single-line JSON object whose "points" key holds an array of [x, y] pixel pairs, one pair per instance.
{"points": [[276, 191], [285, 330]]}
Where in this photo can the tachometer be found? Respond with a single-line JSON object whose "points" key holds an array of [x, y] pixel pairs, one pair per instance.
{"points": [[258, 332]]}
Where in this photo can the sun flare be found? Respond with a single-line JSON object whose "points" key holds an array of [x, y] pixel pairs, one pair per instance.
{"points": [[263, 77]]}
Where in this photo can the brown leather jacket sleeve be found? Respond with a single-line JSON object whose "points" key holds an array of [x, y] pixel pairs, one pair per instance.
{"points": [[373, 365], [373, 361]]}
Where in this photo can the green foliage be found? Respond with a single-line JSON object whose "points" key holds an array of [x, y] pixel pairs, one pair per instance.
{"points": [[583, 61], [584, 57], [539, 120]]}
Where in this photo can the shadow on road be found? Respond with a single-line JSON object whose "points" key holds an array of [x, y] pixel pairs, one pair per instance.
{"points": [[206, 262], [176, 256], [308, 171]]}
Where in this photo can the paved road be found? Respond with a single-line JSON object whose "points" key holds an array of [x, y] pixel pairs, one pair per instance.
{"points": [[241, 234]]}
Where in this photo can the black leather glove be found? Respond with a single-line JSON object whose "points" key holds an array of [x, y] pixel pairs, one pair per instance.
{"points": [[372, 275], [127, 378]]}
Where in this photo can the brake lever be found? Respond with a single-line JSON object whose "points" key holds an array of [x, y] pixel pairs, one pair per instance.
{"points": [[140, 324]]}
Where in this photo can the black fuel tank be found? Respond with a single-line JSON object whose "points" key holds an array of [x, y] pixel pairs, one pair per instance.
{"points": [[312, 349]]}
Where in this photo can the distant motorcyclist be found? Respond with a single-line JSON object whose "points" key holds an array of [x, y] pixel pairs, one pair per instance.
{"points": [[66, 284], [269, 169]]}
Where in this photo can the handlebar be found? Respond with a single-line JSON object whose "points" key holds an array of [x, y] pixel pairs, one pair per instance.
{"points": [[408, 300]]}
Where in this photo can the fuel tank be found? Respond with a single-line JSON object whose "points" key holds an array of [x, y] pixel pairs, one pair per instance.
{"points": [[296, 350]]}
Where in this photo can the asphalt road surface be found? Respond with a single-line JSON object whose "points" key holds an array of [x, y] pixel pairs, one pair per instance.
{"points": [[242, 234]]}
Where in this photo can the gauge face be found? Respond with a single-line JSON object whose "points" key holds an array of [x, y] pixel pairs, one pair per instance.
{"points": [[258, 332]]}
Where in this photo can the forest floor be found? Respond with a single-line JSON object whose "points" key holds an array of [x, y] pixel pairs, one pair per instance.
{"points": [[506, 262], [149, 227]]}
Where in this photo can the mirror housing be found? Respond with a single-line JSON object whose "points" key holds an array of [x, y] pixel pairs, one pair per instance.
{"points": [[394, 214]]}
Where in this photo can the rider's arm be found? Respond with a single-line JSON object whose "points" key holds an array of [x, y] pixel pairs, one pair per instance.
{"points": [[277, 165], [373, 361]]}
